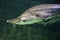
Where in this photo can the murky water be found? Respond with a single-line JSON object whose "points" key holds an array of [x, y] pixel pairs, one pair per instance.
{"points": [[10, 9]]}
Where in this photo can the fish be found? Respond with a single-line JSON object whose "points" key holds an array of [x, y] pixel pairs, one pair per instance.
{"points": [[42, 11]]}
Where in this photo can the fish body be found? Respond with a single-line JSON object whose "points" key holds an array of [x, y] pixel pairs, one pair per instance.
{"points": [[38, 11]]}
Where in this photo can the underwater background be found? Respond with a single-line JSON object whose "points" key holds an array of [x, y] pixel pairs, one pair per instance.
{"points": [[10, 9]]}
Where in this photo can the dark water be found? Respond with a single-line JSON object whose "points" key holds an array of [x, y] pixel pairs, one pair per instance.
{"points": [[13, 8]]}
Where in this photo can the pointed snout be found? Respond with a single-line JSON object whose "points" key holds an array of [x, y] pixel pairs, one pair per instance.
{"points": [[7, 20], [16, 20]]}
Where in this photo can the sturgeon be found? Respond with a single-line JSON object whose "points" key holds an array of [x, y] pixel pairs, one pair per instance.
{"points": [[38, 11]]}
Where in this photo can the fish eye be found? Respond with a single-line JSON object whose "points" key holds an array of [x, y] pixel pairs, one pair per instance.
{"points": [[24, 20]]}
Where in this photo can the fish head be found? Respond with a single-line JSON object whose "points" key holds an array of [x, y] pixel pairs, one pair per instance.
{"points": [[24, 20]]}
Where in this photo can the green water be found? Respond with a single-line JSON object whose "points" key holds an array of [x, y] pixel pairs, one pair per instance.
{"points": [[10, 9]]}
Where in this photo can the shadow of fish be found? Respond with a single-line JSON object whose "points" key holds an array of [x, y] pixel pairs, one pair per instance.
{"points": [[39, 11]]}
